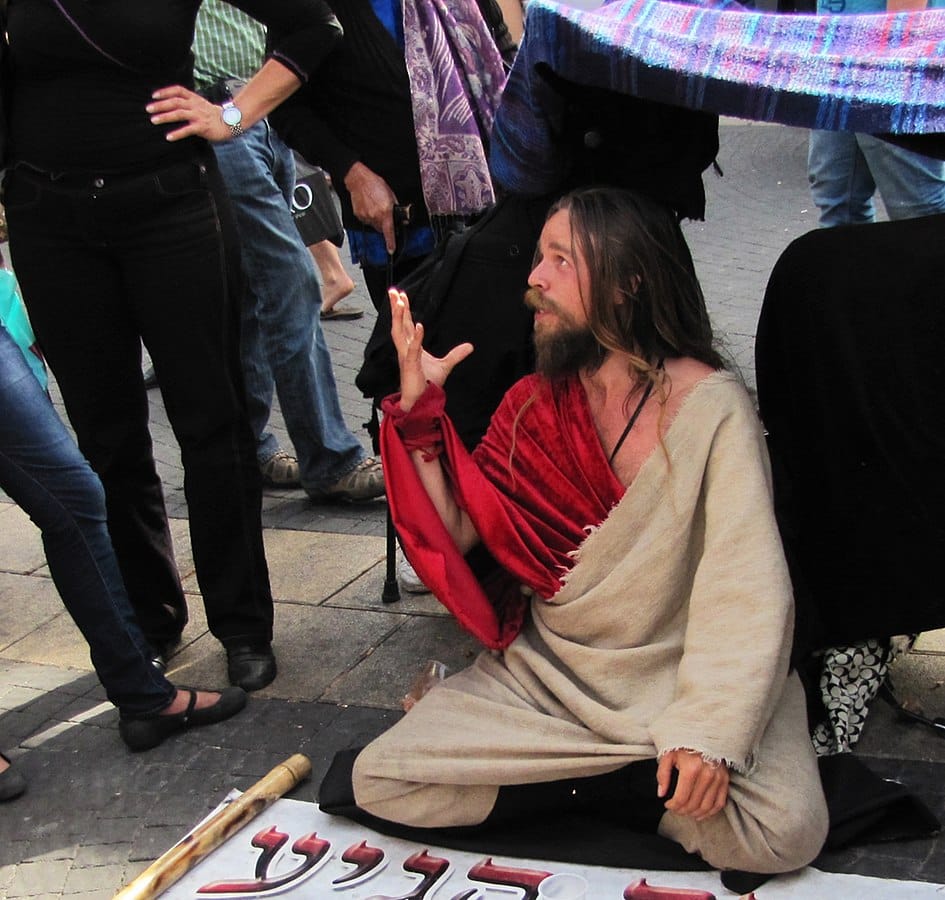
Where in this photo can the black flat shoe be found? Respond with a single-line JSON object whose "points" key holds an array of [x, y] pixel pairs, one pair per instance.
{"points": [[250, 666], [144, 734], [12, 783]]}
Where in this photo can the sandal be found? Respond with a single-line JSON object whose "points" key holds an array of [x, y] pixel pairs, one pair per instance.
{"points": [[281, 470], [341, 311], [12, 783], [144, 734], [364, 482]]}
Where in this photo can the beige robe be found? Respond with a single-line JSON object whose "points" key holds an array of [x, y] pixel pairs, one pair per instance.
{"points": [[673, 630]]}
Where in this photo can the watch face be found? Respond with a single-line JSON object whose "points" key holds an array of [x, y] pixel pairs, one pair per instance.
{"points": [[231, 115]]}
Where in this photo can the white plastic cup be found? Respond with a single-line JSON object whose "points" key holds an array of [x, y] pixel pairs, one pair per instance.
{"points": [[563, 886]]}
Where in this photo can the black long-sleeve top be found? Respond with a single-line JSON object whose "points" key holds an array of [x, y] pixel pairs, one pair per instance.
{"points": [[76, 107], [357, 108]]}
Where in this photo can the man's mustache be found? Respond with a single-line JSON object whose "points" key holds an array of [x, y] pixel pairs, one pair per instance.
{"points": [[537, 301]]}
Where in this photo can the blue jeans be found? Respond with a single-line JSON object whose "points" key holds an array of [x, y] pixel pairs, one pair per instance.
{"points": [[104, 262], [282, 340], [845, 169], [42, 470]]}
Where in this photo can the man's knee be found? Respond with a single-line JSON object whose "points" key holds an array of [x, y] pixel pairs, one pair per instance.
{"points": [[782, 839], [788, 840], [379, 791], [799, 835]]}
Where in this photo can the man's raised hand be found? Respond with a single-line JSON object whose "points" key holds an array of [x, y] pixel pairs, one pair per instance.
{"points": [[417, 367]]}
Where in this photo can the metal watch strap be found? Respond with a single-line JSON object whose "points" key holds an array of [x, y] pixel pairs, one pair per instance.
{"points": [[236, 128]]}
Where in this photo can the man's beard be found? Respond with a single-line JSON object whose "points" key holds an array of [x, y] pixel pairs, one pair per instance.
{"points": [[566, 349]]}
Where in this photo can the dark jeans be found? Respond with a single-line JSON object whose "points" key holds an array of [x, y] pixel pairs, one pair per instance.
{"points": [[43, 471], [105, 262]]}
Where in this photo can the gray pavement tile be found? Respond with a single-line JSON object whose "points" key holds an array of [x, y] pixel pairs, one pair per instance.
{"points": [[31, 602], [56, 642], [40, 878], [384, 677], [21, 724], [343, 518], [106, 845], [100, 894], [887, 735], [333, 728], [86, 880], [47, 706], [151, 842], [7, 874], [317, 645], [41, 677], [21, 549], [368, 592], [309, 567]]}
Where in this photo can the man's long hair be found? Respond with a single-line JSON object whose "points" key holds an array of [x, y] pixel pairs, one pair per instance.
{"points": [[645, 299]]}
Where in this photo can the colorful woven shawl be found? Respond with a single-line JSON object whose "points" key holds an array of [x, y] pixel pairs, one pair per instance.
{"points": [[870, 73]]}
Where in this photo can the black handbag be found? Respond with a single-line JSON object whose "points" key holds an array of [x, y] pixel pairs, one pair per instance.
{"points": [[314, 210]]}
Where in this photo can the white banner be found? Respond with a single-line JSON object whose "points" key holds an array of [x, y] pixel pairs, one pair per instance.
{"points": [[294, 850]]}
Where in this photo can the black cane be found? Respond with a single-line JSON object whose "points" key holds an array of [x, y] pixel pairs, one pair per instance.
{"points": [[391, 592]]}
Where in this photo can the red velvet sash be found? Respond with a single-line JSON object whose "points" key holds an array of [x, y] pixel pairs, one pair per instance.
{"points": [[531, 516]]}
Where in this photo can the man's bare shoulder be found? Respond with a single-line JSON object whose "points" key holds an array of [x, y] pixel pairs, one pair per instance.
{"points": [[685, 373]]}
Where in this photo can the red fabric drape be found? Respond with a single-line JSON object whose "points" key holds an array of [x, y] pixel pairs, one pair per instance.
{"points": [[533, 486]]}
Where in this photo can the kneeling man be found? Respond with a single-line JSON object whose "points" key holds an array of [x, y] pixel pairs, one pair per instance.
{"points": [[640, 619]]}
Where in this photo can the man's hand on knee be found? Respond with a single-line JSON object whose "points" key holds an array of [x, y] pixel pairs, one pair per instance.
{"points": [[702, 787]]}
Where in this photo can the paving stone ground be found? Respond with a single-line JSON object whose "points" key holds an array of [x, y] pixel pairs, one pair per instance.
{"points": [[96, 815]]}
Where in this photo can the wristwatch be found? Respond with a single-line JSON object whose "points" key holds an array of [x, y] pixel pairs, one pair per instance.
{"points": [[232, 117]]}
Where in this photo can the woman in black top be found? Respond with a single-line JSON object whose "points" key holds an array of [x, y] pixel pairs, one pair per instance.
{"points": [[120, 233]]}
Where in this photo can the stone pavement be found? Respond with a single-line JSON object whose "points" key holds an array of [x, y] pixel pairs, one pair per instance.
{"points": [[95, 815]]}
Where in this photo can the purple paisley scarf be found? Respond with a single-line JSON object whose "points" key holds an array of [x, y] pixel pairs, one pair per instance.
{"points": [[456, 80]]}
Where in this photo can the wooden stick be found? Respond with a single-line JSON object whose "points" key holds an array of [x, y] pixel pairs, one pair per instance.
{"points": [[171, 866]]}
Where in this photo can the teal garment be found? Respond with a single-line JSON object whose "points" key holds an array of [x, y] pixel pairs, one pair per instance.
{"points": [[227, 44], [14, 319]]}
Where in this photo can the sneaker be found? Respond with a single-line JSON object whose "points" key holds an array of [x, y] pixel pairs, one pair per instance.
{"points": [[407, 578], [281, 470], [364, 482]]}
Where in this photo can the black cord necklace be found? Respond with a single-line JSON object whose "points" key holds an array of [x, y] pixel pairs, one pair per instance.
{"points": [[633, 418], [632, 421]]}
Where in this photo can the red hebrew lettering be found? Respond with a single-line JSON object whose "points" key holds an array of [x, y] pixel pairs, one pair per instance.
{"points": [[432, 868], [643, 891], [526, 879], [310, 847], [269, 841], [365, 859]]}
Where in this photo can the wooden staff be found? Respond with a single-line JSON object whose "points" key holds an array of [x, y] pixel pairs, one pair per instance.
{"points": [[171, 866]]}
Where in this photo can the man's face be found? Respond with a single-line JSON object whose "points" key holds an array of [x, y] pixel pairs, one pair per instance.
{"points": [[557, 286]]}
